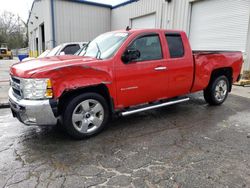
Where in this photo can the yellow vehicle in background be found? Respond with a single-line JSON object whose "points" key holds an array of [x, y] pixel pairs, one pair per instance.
{"points": [[5, 52]]}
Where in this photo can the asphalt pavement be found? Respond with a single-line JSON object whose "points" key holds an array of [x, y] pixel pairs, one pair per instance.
{"points": [[4, 79], [185, 145]]}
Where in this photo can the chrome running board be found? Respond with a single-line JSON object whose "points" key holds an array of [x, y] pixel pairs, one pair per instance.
{"points": [[129, 112]]}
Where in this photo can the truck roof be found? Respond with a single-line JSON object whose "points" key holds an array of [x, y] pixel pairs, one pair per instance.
{"points": [[150, 30]]}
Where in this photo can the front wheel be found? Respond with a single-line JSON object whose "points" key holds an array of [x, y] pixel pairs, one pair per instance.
{"points": [[85, 115], [217, 91]]}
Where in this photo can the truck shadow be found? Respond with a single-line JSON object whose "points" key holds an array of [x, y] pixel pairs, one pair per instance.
{"points": [[182, 116], [163, 117]]}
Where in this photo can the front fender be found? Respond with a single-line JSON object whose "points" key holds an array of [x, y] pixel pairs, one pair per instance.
{"points": [[74, 77]]}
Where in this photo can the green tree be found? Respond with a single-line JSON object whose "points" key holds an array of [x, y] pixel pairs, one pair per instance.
{"points": [[13, 31]]}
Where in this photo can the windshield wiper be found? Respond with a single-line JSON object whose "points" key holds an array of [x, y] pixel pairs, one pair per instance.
{"points": [[86, 45], [99, 53], [85, 48]]}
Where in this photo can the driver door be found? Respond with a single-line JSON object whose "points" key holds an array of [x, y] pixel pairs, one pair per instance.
{"points": [[144, 79]]}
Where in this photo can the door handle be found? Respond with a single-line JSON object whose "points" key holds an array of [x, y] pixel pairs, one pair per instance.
{"points": [[160, 68]]}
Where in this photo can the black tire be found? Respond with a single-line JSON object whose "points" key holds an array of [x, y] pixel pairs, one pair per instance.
{"points": [[69, 110], [210, 92]]}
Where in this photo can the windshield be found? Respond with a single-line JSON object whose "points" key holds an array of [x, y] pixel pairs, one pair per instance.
{"points": [[54, 51], [104, 46]]}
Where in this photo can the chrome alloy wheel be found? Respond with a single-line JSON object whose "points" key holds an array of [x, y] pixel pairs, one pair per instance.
{"points": [[88, 116], [220, 90]]}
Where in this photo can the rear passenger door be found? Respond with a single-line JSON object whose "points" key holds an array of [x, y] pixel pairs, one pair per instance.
{"points": [[180, 64]]}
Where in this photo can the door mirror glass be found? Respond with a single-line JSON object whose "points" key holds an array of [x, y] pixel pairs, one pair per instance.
{"points": [[130, 55]]}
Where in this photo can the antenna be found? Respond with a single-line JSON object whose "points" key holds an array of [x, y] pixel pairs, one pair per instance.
{"points": [[128, 28]]}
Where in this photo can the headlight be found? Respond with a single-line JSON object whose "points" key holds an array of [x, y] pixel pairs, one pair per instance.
{"points": [[36, 88]]}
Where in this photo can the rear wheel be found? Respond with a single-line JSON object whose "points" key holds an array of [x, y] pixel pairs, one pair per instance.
{"points": [[85, 115], [217, 91]]}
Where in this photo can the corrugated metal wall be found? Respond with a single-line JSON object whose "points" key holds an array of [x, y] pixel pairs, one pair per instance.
{"points": [[80, 22], [174, 15], [247, 62], [121, 17], [41, 13], [181, 17]]}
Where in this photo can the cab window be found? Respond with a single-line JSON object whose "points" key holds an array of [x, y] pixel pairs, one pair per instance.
{"points": [[149, 47], [175, 45]]}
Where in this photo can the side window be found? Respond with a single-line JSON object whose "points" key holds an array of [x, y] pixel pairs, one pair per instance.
{"points": [[71, 49], [175, 45], [149, 47]]}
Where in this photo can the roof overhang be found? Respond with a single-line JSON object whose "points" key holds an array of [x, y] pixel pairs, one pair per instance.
{"points": [[88, 2]]}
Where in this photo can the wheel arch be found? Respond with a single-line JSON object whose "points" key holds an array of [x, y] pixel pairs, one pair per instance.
{"points": [[101, 89], [227, 71]]}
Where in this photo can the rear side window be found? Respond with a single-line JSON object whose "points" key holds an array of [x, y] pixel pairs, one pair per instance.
{"points": [[175, 45], [71, 49]]}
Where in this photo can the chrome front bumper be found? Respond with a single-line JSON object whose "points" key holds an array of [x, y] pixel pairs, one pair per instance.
{"points": [[32, 112]]}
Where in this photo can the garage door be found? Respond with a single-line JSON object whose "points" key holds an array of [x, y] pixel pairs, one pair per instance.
{"points": [[144, 22], [219, 24]]}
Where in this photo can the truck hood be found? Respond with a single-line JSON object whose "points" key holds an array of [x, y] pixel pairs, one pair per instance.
{"points": [[28, 68]]}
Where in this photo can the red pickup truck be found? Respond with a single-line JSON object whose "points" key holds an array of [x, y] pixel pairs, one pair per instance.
{"points": [[121, 72]]}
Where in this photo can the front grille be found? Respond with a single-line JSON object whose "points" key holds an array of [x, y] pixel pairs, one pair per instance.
{"points": [[17, 92], [15, 85], [15, 79]]}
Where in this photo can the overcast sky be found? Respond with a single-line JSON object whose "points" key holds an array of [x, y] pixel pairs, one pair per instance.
{"points": [[22, 7]]}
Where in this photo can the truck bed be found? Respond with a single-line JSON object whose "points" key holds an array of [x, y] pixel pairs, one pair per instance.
{"points": [[207, 61]]}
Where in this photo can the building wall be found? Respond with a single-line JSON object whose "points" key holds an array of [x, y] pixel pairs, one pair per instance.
{"points": [[80, 22], [41, 14], [181, 16], [247, 61], [121, 16], [173, 15]]}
